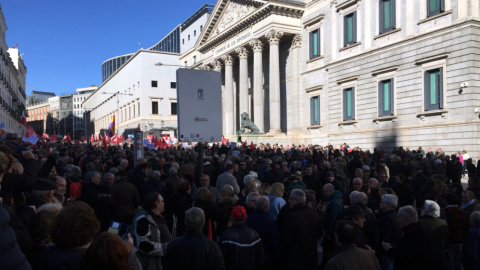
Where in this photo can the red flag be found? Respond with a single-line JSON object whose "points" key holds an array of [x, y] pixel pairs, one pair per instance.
{"points": [[150, 138], [54, 137], [252, 146], [121, 138], [115, 138], [155, 142], [104, 140], [69, 139], [96, 138], [107, 138], [224, 141], [45, 135], [244, 143], [64, 137], [163, 144], [78, 141], [166, 137], [92, 139], [138, 128]]}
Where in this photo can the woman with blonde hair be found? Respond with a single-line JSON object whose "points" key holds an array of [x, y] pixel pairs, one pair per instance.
{"points": [[276, 199]]}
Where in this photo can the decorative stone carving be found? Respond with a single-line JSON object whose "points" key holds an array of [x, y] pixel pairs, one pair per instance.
{"points": [[217, 65], [257, 45], [242, 52], [227, 59], [232, 14], [246, 123], [297, 41], [274, 36]]}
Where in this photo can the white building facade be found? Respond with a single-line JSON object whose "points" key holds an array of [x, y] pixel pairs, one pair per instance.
{"points": [[12, 84], [366, 72], [141, 92]]}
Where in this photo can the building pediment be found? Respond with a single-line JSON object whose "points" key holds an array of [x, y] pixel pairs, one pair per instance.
{"points": [[231, 17], [233, 13]]}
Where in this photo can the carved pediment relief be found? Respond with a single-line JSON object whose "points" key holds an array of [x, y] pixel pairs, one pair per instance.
{"points": [[233, 13]]}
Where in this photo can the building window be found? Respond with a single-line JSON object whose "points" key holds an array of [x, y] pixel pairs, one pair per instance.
{"points": [[194, 33], [201, 27], [183, 41], [315, 43], [154, 83], [173, 108], [315, 110], [133, 110], [154, 107], [349, 104], [387, 15], [173, 85], [385, 97], [138, 108], [194, 59], [188, 37], [435, 7], [433, 89], [350, 29]]}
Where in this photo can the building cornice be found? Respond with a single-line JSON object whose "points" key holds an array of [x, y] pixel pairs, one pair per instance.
{"points": [[272, 8]]}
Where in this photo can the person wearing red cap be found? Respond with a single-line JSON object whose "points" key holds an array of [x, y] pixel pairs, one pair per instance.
{"points": [[241, 246]]}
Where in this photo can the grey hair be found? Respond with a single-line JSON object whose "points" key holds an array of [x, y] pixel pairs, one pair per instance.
{"points": [[409, 212], [194, 219], [359, 198], [109, 174], [352, 195], [391, 199], [261, 202], [431, 209], [248, 178], [172, 172], [299, 195], [52, 207], [252, 196], [124, 163], [326, 165], [227, 190]]}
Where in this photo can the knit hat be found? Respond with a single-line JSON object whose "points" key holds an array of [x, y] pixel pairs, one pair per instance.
{"points": [[43, 184], [239, 213]]}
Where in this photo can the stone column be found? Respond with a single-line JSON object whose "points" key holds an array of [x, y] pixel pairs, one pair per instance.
{"points": [[293, 108], [274, 81], [243, 91], [229, 106], [258, 108]]}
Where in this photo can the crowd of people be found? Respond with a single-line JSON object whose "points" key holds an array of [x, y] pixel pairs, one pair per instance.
{"points": [[83, 206]]}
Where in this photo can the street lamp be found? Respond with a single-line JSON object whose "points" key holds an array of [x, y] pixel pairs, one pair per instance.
{"points": [[118, 104]]}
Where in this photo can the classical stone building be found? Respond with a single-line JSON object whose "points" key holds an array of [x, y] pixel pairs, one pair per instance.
{"points": [[12, 84], [366, 72]]}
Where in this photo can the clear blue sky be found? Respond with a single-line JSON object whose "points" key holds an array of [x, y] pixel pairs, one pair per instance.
{"points": [[64, 42]]}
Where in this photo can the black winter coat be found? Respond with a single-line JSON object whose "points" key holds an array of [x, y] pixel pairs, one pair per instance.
{"points": [[193, 251]]}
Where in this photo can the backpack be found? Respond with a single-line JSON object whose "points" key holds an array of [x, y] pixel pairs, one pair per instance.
{"points": [[75, 190]]}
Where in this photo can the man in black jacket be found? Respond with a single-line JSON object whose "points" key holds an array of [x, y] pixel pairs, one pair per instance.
{"points": [[193, 250], [299, 232], [241, 246]]}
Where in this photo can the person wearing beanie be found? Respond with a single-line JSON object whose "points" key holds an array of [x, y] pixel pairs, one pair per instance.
{"points": [[241, 246], [42, 192]]}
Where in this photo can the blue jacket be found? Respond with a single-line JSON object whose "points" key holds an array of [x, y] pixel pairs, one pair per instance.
{"points": [[334, 211]]}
